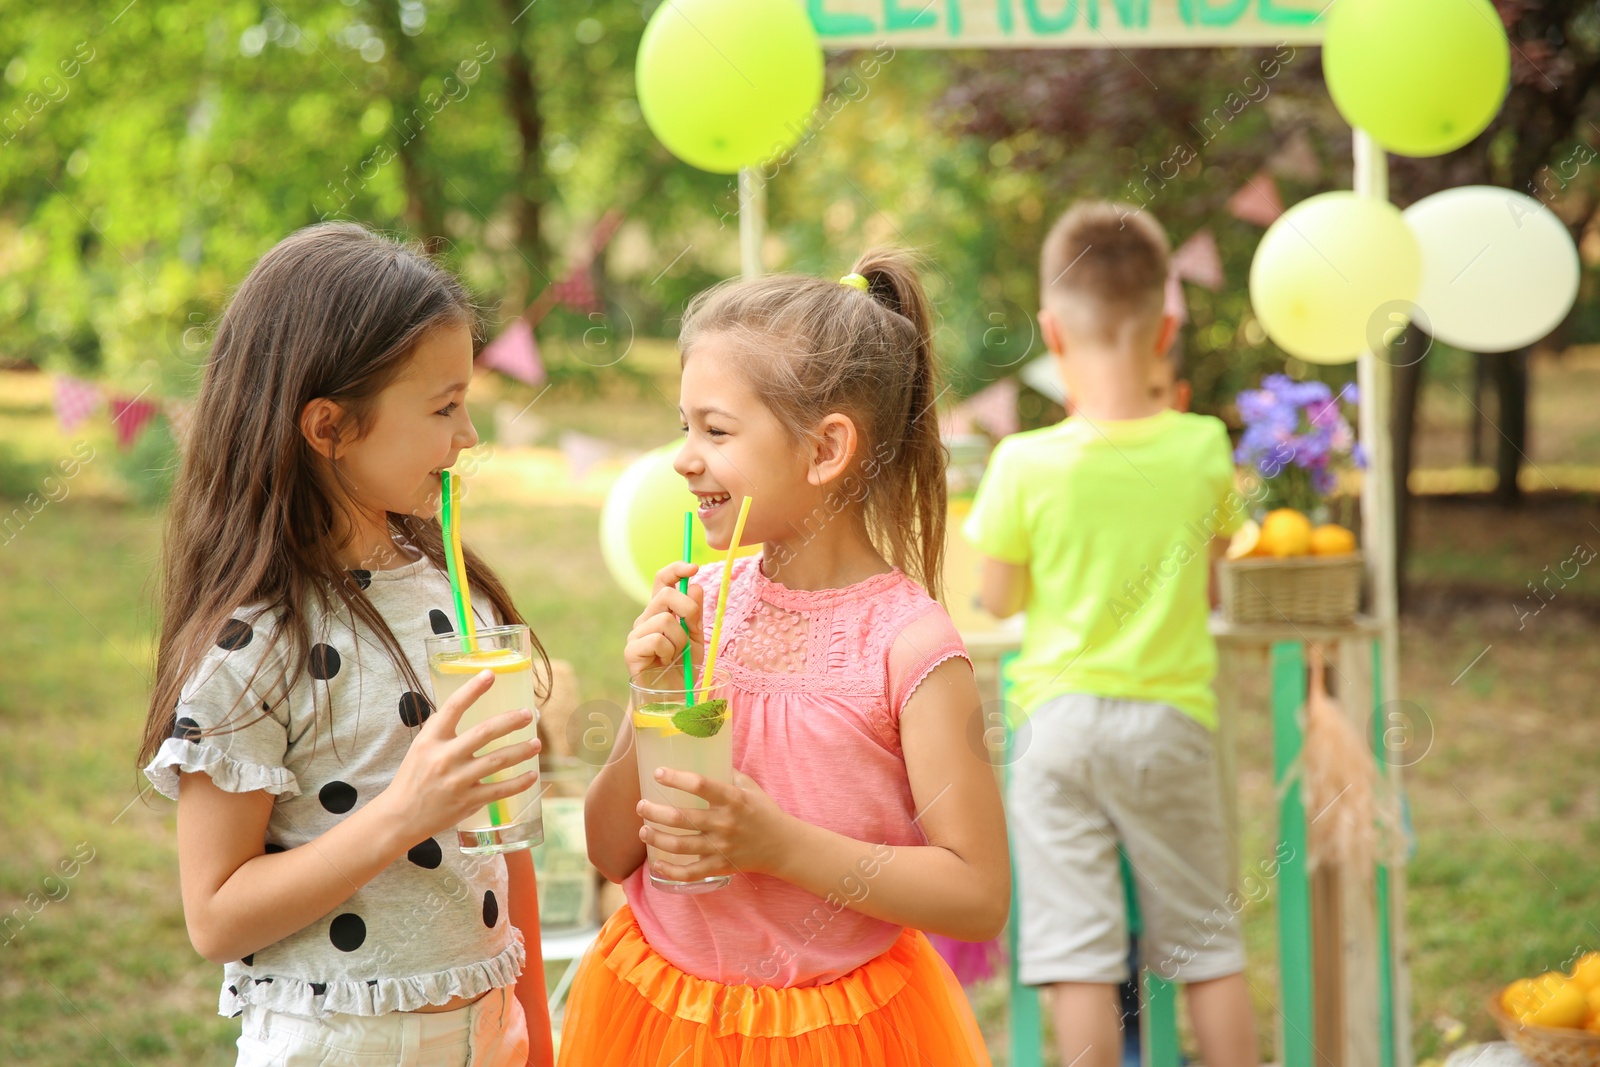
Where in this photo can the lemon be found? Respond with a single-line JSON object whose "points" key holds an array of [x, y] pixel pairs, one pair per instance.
{"points": [[1245, 540], [1331, 540], [1563, 1005], [1593, 997], [1286, 532], [1586, 972], [657, 717], [499, 660], [1520, 998]]}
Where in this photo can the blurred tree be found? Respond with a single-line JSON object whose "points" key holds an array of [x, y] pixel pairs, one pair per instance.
{"points": [[1539, 144]]}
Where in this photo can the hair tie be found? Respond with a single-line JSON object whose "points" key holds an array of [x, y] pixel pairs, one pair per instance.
{"points": [[855, 281]]}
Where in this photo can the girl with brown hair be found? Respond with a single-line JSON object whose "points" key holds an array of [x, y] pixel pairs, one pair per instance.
{"points": [[863, 808], [303, 567]]}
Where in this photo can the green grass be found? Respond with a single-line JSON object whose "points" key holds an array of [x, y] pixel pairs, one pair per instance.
{"points": [[1505, 805]]}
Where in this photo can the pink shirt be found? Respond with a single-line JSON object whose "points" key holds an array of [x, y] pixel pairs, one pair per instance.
{"points": [[819, 680]]}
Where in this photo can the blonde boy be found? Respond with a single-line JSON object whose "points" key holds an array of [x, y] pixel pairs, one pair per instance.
{"points": [[1103, 528]]}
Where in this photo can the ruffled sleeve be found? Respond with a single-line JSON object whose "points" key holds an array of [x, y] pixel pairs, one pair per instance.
{"points": [[921, 645], [223, 728]]}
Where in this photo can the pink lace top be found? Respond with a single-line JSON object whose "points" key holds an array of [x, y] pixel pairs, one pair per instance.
{"points": [[819, 680]]}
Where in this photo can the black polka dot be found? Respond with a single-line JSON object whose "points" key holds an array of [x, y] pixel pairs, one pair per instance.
{"points": [[234, 990], [274, 847], [324, 663], [371, 982], [248, 960], [347, 932], [236, 633], [318, 988], [426, 854], [414, 708], [440, 622], [491, 909], [236, 1014], [186, 729], [337, 797], [362, 578]]}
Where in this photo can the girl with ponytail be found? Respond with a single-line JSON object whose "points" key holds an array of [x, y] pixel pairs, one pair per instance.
{"points": [[863, 809]]}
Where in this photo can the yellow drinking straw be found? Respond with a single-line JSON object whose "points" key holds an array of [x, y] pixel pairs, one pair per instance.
{"points": [[722, 596], [455, 562]]}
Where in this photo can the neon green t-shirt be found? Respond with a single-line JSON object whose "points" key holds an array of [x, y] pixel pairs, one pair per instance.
{"points": [[1113, 520]]}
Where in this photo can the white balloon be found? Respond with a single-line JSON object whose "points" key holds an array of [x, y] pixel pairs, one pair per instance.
{"points": [[1499, 270]]}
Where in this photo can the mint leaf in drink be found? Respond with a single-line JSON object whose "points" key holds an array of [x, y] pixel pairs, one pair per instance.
{"points": [[659, 708], [703, 719]]}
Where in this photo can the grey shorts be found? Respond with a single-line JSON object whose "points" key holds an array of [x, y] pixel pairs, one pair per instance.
{"points": [[1098, 773]]}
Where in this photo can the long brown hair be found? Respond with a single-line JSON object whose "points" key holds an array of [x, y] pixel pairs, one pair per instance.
{"points": [[823, 347], [336, 311]]}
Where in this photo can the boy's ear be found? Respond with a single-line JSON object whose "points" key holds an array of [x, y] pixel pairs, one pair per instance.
{"points": [[834, 449], [1055, 339], [1182, 394], [320, 420]]}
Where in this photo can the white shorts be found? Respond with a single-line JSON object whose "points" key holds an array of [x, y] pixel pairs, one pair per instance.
{"points": [[490, 1032], [1098, 773]]}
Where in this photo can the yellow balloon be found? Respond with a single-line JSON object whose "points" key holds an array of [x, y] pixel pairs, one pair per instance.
{"points": [[1331, 274]]}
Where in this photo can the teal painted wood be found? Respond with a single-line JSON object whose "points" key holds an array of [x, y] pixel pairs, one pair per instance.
{"points": [[1158, 1014], [1158, 1022], [1380, 748], [1026, 1032], [1294, 885]]}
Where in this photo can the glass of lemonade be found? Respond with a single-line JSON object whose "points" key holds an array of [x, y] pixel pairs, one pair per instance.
{"points": [[685, 732], [517, 821]]}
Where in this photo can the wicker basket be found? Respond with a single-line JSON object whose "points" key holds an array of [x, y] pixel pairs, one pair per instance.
{"points": [[1319, 589], [1545, 1045]]}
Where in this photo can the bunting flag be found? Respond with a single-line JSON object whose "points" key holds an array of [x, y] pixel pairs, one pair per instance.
{"points": [[1296, 159], [1197, 260], [1257, 200], [75, 400], [129, 416], [1172, 298], [582, 452], [515, 353], [180, 416], [994, 408], [577, 290]]}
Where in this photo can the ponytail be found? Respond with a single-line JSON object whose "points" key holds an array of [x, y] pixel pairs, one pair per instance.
{"points": [[916, 501], [866, 351]]}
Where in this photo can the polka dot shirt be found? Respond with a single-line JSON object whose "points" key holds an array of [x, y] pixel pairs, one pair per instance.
{"points": [[432, 925]]}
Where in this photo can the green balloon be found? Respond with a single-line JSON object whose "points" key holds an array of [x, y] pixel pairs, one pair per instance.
{"points": [[1422, 77], [727, 84]]}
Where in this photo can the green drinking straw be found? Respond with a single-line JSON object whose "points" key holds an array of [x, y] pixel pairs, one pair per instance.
{"points": [[683, 587], [455, 565]]}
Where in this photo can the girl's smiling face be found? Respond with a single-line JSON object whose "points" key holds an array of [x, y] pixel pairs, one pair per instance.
{"points": [[734, 447], [417, 426]]}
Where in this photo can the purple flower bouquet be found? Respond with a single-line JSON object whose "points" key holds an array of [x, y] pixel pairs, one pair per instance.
{"points": [[1297, 439]]}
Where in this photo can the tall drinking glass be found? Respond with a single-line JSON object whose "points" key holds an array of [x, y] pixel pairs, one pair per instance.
{"points": [[685, 732], [517, 821]]}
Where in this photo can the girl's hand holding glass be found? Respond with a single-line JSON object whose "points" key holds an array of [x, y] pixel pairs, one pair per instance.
{"points": [[440, 781], [742, 832]]}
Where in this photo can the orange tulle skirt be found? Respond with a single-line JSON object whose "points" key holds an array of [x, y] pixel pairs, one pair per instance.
{"points": [[629, 1007]]}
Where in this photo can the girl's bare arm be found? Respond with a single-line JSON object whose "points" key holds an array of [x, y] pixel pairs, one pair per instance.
{"points": [[610, 819], [237, 899], [959, 884]]}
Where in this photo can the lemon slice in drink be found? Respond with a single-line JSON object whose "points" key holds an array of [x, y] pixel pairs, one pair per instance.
{"points": [[657, 717], [499, 660]]}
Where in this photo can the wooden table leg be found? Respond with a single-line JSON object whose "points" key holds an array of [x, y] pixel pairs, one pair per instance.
{"points": [[1294, 888]]}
